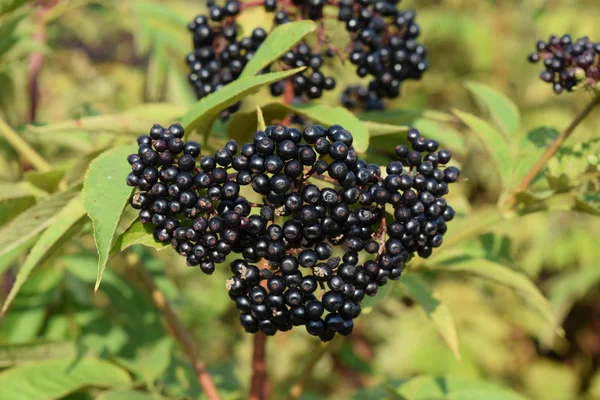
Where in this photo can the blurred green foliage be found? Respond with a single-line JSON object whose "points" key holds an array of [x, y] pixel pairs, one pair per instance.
{"points": [[109, 69]]}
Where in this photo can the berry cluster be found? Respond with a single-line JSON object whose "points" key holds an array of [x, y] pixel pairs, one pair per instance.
{"points": [[219, 56], [564, 58], [384, 44], [379, 219], [309, 83], [359, 97]]}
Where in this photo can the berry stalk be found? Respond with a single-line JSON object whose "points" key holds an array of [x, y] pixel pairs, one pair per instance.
{"points": [[180, 333], [539, 166]]}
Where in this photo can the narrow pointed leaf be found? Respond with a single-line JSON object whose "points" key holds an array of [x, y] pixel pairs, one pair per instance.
{"points": [[278, 42], [29, 224], [494, 142], [504, 276], [260, 120], [436, 311], [502, 110], [206, 110], [137, 233], [105, 195], [67, 218]]}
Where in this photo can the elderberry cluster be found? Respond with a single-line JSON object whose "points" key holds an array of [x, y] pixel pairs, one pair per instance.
{"points": [[378, 219], [219, 55], [564, 58], [384, 44], [359, 97]]}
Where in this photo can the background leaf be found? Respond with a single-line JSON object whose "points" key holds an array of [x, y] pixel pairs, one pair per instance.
{"points": [[436, 311], [60, 230], [502, 110], [56, 378]]}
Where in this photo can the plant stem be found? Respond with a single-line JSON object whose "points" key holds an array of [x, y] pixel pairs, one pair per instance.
{"points": [[258, 387], [297, 389], [539, 166], [259, 382], [23, 148], [181, 334]]}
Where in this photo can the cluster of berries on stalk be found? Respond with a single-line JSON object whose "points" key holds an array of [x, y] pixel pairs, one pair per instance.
{"points": [[384, 45], [329, 228], [568, 63], [219, 54]]}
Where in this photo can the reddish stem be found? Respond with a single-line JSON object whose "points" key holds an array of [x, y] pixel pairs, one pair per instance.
{"points": [[288, 98]]}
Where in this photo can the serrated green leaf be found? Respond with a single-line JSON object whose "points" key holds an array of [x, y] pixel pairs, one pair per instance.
{"points": [[586, 207], [105, 195], [436, 311], [56, 378], [60, 229], [137, 233], [278, 42], [27, 353], [502, 110], [127, 395], [29, 224], [201, 114], [494, 142], [499, 274]]}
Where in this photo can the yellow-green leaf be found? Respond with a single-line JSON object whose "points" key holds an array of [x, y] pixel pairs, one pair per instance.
{"points": [[436, 311]]}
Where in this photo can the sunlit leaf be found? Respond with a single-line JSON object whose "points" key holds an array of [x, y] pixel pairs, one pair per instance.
{"points": [[436, 311], [56, 378], [105, 195], [137, 233], [502, 110], [494, 142], [201, 114]]}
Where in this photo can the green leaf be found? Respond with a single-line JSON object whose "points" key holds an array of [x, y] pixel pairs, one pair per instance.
{"points": [[59, 231], [105, 196], [32, 352], [450, 388], [436, 311], [29, 224], [135, 121], [206, 110], [46, 181], [137, 233], [14, 202], [586, 207], [127, 395], [278, 42], [494, 142], [378, 129], [499, 274], [153, 360], [260, 120], [502, 110], [57, 378]]}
